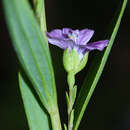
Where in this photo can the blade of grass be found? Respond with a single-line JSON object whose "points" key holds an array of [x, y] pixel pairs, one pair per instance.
{"points": [[95, 71]]}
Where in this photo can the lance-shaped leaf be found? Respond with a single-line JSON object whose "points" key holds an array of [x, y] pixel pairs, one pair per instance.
{"points": [[31, 49], [37, 116], [95, 71]]}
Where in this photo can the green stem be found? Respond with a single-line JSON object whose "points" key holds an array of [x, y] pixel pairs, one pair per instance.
{"points": [[71, 82], [70, 110], [55, 119], [70, 98], [39, 6], [34, 2]]}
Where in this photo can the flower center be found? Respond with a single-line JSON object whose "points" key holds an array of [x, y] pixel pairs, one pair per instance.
{"points": [[74, 36]]}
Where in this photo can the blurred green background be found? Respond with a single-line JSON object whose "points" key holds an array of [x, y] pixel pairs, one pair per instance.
{"points": [[109, 107]]}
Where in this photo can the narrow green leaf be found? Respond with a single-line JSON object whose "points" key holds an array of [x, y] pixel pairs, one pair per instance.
{"points": [[74, 92], [31, 49], [71, 118], [95, 71], [36, 116], [65, 127], [68, 102]]}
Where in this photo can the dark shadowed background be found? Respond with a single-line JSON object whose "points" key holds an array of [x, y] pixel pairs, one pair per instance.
{"points": [[109, 107]]}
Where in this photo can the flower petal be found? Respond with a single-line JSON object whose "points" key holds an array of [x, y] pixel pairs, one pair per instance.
{"points": [[67, 31], [56, 33], [84, 36], [99, 45], [63, 44]]}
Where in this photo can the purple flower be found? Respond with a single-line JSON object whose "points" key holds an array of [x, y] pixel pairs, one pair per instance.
{"points": [[75, 39]]}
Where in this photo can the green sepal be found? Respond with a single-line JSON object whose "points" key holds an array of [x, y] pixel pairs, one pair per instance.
{"points": [[71, 60], [82, 63]]}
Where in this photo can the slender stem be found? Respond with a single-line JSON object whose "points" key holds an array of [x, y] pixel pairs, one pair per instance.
{"points": [[71, 82], [70, 110], [55, 119], [34, 2], [69, 126], [70, 97], [39, 6]]}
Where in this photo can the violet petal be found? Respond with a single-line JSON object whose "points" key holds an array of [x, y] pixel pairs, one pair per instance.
{"points": [[63, 44], [66, 31], [99, 45], [56, 33], [84, 36]]}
